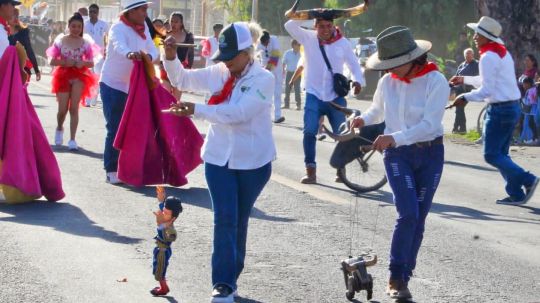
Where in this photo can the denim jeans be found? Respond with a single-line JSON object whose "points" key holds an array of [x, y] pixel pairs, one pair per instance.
{"points": [[114, 102], [498, 129], [314, 109], [233, 194], [413, 174]]}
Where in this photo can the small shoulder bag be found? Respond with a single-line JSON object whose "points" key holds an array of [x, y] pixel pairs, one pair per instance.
{"points": [[342, 85]]}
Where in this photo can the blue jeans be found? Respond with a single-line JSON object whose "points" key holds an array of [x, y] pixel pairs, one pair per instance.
{"points": [[499, 126], [233, 194], [114, 102], [413, 174], [313, 111]]}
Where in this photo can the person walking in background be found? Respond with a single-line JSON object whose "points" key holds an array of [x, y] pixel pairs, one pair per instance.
{"points": [[72, 79], [20, 33], [185, 54], [529, 104], [497, 86], [290, 63], [211, 44], [97, 29], [269, 53], [469, 67], [530, 65], [319, 80], [127, 38], [239, 147], [412, 142]]}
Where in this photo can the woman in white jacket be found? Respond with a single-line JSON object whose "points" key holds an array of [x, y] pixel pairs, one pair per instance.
{"points": [[239, 146]]}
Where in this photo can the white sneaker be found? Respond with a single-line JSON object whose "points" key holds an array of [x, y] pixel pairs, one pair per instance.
{"points": [[59, 137], [112, 178], [72, 145]]}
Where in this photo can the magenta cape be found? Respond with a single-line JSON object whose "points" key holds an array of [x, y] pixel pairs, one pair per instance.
{"points": [[155, 147], [28, 163]]}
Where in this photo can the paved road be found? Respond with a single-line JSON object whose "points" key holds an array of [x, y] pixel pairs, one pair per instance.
{"points": [[78, 249]]}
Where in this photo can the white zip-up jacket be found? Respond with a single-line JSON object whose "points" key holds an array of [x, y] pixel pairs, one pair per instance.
{"points": [[240, 131]]}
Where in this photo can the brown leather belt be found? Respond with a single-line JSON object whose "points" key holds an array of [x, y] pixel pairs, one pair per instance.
{"points": [[436, 141]]}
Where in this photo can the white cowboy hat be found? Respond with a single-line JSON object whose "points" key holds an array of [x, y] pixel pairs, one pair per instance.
{"points": [[131, 4], [396, 46], [489, 28]]}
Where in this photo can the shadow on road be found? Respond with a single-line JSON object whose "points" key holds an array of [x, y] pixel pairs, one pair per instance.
{"points": [[534, 210], [461, 212], [81, 151], [200, 197], [471, 166], [63, 217], [245, 300], [169, 299]]}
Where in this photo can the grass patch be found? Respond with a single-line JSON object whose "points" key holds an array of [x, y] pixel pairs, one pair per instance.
{"points": [[471, 136]]}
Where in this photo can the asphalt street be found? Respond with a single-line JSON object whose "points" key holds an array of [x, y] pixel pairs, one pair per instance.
{"points": [[96, 244]]}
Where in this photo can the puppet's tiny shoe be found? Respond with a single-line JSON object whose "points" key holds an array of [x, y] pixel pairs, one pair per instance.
{"points": [[162, 290]]}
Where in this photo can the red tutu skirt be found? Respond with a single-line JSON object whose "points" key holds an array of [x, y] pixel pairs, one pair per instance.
{"points": [[63, 77]]}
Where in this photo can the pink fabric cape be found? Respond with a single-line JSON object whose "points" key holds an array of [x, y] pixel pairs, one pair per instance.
{"points": [[28, 162], [155, 147]]}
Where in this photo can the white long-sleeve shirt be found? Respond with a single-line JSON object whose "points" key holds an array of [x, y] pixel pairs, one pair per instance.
{"points": [[117, 67], [412, 112], [318, 79], [214, 46], [4, 42], [97, 31], [240, 131], [496, 82]]}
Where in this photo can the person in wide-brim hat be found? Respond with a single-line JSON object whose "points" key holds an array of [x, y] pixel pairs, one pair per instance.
{"points": [[489, 28], [411, 100], [396, 46]]}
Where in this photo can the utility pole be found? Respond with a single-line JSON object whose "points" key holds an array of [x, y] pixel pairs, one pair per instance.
{"points": [[255, 10]]}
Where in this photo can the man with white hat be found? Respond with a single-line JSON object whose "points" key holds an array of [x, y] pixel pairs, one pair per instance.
{"points": [[128, 38], [7, 11], [497, 85], [411, 100]]}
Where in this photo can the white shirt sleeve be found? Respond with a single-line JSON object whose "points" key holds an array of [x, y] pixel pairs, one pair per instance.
{"points": [[375, 113], [354, 67], [475, 81], [255, 100], [201, 79], [488, 65], [119, 41], [4, 42], [296, 31], [437, 98]]}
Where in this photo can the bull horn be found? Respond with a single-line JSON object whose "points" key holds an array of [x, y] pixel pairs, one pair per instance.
{"points": [[340, 138], [324, 12], [372, 261], [346, 111]]}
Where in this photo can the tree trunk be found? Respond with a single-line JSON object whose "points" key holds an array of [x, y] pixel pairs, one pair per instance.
{"points": [[521, 26]]}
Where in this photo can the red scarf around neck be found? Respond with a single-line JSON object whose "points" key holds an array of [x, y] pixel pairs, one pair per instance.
{"points": [[429, 67], [495, 47], [139, 29], [225, 93], [6, 25], [335, 37]]}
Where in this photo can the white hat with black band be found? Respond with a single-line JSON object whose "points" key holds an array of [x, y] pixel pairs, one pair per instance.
{"points": [[131, 4], [489, 28]]}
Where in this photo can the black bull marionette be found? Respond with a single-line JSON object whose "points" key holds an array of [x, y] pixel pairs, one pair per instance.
{"points": [[325, 13]]}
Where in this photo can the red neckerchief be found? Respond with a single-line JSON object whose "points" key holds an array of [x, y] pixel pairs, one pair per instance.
{"points": [[225, 93], [139, 29], [6, 25], [429, 67], [495, 47], [337, 35]]}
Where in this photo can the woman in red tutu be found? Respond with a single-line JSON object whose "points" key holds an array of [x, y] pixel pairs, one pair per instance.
{"points": [[73, 80]]}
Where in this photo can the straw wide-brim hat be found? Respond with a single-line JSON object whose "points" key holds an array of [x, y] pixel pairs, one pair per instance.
{"points": [[131, 4], [489, 28], [396, 46]]}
